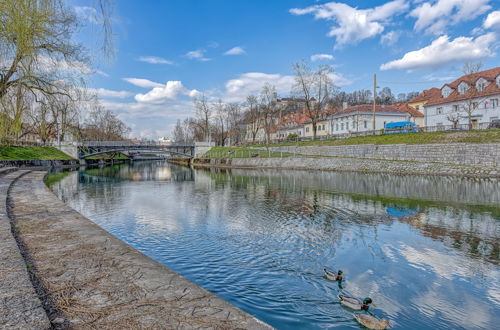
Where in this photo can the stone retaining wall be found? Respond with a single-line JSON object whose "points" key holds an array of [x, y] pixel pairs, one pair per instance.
{"points": [[354, 165], [454, 153]]}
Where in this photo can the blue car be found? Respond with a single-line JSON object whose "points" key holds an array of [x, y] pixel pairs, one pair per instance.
{"points": [[401, 127]]}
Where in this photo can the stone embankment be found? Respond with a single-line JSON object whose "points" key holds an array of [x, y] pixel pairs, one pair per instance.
{"points": [[474, 154], [460, 159], [84, 278]]}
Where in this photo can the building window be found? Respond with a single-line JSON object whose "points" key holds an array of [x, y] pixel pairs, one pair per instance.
{"points": [[365, 123], [494, 103], [463, 87], [475, 105], [323, 127], [455, 107], [307, 129], [347, 125], [336, 127], [439, 110], [342, 126]]}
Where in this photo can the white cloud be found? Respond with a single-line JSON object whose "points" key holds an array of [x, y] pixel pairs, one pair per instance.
{"points": [[442, 52], [102, 92], [321, 57], [435, 17], [154, 60], [492, 21], [354, 25], [390, 38], [101, 73], [252, 82], [197, 55], [170, 91], [87, 13], [142, 82], [235, 51]]}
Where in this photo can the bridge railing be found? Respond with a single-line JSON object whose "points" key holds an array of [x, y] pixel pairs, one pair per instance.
{"points": [[132, 144]]}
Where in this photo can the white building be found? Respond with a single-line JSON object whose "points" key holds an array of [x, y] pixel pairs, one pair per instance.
{"points": [[476, 95], [359, 118]]}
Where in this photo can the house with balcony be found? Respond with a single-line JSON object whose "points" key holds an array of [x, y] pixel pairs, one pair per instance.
{"points": [[471, 99], [359, 118]]}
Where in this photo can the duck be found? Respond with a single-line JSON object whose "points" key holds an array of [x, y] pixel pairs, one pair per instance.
{"points": [[371, 322], [355, 303], [332, 276]]}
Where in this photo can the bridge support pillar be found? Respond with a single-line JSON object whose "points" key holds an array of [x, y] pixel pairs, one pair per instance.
{"points": [[202, 147], [69, 148]]}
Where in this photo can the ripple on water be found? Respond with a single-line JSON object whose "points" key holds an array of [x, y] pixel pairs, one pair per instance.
{"points": [[260, 239]]}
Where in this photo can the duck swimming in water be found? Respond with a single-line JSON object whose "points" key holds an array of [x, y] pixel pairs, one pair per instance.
{"points": [[355, 303], [372, 322], [339, 276]]}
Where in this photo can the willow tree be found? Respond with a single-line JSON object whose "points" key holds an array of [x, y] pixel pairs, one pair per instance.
{"points": [[38, 52]]}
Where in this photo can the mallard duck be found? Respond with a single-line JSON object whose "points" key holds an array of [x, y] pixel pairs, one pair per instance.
{"points": [[371, 322], [330, 274], [355, 303]]}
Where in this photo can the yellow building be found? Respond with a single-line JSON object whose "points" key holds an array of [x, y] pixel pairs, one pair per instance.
{"points": [[322, 129], [419, 102]]}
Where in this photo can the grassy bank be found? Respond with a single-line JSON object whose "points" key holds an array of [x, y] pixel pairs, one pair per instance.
{"points": [[486, 136], [236, 152], [32, 153]]}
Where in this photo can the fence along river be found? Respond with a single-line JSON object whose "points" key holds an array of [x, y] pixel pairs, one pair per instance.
{"points": [[425, 249]]}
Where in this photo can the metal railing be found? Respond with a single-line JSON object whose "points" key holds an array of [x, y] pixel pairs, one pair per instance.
{"points": [[438, 128]]}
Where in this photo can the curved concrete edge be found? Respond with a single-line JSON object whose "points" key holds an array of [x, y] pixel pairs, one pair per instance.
{"points": [[355, 165], [20, 307], [119, 286]]}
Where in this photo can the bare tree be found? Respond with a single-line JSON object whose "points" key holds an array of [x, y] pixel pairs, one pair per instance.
{"points": [[268, 109], [472, 67], [315, 87], [253, 116], [221, 122], [178, 133], [473, 100], [234, 119], [203, 114]]}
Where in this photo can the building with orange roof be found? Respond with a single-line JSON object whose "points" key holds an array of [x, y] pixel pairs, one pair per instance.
{"points": [[471, 99], [359, 118]]}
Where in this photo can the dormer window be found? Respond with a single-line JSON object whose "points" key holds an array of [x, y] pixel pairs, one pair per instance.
{"points": [[463, 87], [481, 84], [446, 91]]}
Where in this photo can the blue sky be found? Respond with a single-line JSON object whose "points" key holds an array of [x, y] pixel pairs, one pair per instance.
{"points": [[169, 51]]}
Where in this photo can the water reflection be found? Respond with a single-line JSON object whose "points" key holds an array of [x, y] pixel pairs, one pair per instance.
{"points": [[425, 248]]}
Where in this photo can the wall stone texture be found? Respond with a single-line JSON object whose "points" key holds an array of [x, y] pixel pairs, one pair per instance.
{"points": [[475, 154]]}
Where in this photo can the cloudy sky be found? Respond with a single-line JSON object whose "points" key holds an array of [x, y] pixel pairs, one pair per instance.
{"points": [[169, 51]]}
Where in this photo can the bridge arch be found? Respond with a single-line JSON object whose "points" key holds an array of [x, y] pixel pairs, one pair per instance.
{"points": [[141, 150]]}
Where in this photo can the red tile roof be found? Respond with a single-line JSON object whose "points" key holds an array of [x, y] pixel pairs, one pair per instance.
{"points": [[492, 88], [426, 95], [369, 108], [406, 108]]}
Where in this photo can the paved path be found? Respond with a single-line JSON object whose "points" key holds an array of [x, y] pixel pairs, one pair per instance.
{"points": [[20, 307], [95, 281]]}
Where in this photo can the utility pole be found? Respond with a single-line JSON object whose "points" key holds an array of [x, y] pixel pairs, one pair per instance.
{"points": [[374, 101]]}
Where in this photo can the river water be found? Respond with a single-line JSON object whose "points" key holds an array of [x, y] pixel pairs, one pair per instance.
{"points": [[425, 249]]}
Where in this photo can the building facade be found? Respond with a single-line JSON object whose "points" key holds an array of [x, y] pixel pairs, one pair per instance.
{"points": [[359, 118], [471, 99]]}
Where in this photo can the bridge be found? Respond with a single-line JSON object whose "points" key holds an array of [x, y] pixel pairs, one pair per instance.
{"points": [[83, 150]]}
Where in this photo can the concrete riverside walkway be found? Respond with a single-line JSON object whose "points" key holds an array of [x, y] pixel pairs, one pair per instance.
{"points": [[92, 280], [20, 307]]}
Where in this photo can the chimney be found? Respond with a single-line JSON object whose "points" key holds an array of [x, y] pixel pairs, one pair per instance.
{"points": [[344, 105]]}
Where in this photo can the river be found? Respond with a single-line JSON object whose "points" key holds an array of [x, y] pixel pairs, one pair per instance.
{"points": [[424, 248]]}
